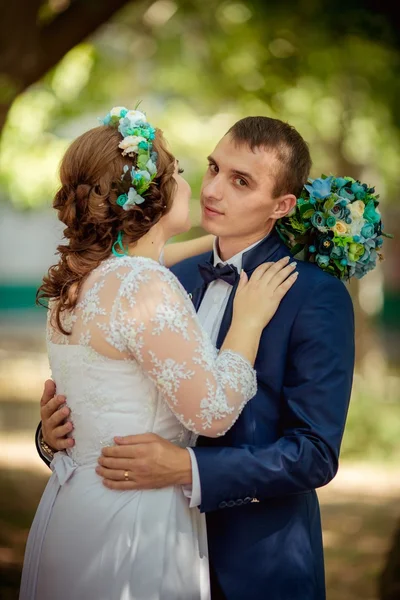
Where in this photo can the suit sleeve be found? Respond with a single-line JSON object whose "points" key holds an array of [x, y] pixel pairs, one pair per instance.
{"points": [[315, 399], [45, 457]]}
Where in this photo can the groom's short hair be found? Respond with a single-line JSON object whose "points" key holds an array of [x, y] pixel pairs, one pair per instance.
{"points": [[291, 150]]}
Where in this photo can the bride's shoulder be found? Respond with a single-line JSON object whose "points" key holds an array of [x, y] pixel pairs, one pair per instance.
{"points": [[137, 268], [140, 282]]}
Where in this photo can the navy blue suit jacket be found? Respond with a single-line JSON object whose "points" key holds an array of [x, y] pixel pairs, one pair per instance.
{"points": [[258, 481]]}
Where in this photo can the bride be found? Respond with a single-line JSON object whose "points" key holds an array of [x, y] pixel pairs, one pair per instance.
{"points": [[126, 348]]}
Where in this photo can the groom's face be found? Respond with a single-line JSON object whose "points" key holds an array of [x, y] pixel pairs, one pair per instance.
{"points": [[237, 197]]}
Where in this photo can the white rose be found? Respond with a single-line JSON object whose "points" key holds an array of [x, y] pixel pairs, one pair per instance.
{"points": [[341, 228], [130, 144], [356, 209], [116, 111], [136, 115], [356, 225]]}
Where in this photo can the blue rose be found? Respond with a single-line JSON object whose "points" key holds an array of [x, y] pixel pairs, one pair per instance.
{"points": [[122, 199], [365, 264], [378, 242], [322, 260], [318, 219], [368, 230], [370, 213], [345, 193], [338, 252], [340, 182], [338, 211], [319, 188], [358, 190], [365, 258], [330, 221], [325, 244]]}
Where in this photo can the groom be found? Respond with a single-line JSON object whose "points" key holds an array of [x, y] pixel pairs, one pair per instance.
{"points": [[256, 483]]}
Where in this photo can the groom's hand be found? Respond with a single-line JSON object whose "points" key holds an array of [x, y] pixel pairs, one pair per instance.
{"points": [[53, 415], [144, 462]]}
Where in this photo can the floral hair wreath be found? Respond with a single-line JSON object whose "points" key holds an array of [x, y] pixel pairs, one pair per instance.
{"points": [[336, 224], [138, 136]]}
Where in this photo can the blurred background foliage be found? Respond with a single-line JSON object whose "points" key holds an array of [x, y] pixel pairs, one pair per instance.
{"points": [[197, 66], [331, 69]]}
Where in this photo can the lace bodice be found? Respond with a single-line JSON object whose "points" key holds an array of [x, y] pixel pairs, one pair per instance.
{"points": [[136, 346]]}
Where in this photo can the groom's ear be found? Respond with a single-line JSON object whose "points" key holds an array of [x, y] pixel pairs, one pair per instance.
{"points": [[284, 205]]}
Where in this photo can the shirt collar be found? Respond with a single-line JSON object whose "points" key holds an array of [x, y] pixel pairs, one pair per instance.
{"points": [[236, 260]]}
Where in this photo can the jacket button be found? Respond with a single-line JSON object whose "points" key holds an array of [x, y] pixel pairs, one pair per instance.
{"points": [[223, 504]]}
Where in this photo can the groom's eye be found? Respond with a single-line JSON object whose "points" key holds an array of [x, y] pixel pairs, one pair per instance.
{"points": [[239, 181]]}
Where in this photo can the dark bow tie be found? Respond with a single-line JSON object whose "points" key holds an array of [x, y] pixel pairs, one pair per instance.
{"points": [[227, 273]]}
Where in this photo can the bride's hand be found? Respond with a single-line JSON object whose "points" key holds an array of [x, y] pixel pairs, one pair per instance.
{"points": [[257, 299]]}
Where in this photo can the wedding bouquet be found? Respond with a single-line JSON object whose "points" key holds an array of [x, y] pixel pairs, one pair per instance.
{"points": [[337, 225]]}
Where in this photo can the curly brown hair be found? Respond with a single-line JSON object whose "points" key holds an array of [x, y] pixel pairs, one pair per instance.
{"points": [[86, 202]]}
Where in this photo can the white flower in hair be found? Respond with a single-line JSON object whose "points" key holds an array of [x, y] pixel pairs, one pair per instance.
{"points": [[151, 167], [133, 199], [130, 144], [136, 115], [116, 111]]}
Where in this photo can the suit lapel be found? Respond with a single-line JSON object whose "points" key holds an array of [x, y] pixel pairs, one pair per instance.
{"points": [[227, 318], [198, 293]]}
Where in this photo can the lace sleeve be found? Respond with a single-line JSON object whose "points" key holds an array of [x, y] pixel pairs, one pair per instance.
{"points": [[158, 325]]}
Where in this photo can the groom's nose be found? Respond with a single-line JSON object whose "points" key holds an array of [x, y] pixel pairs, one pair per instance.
{"points": [[213, 189]]}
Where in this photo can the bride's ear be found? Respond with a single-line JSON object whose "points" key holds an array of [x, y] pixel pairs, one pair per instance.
{"points": [[285, 204]]}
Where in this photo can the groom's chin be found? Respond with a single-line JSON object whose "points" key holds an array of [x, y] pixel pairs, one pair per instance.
{"points": [[208, 225]]}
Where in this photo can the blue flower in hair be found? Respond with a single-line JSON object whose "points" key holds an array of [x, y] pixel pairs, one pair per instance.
{"points": [[143, 175], [133, 199], [151, 167]]}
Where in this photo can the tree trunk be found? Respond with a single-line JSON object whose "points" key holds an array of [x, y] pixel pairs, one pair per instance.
{"points": [[29, 48]]}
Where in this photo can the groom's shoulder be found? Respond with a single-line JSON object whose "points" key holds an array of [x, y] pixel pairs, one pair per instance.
{"points": [[314, 280], [187, 272]]}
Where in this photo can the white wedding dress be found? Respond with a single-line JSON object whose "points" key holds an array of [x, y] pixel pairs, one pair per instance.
{"points": [[137, 361]]}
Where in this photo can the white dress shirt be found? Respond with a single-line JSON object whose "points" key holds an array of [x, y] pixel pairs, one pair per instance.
{"points": [[210, 313]]}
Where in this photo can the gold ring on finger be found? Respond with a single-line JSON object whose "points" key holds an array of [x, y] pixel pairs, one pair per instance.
{"points": [[126, 475]]}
